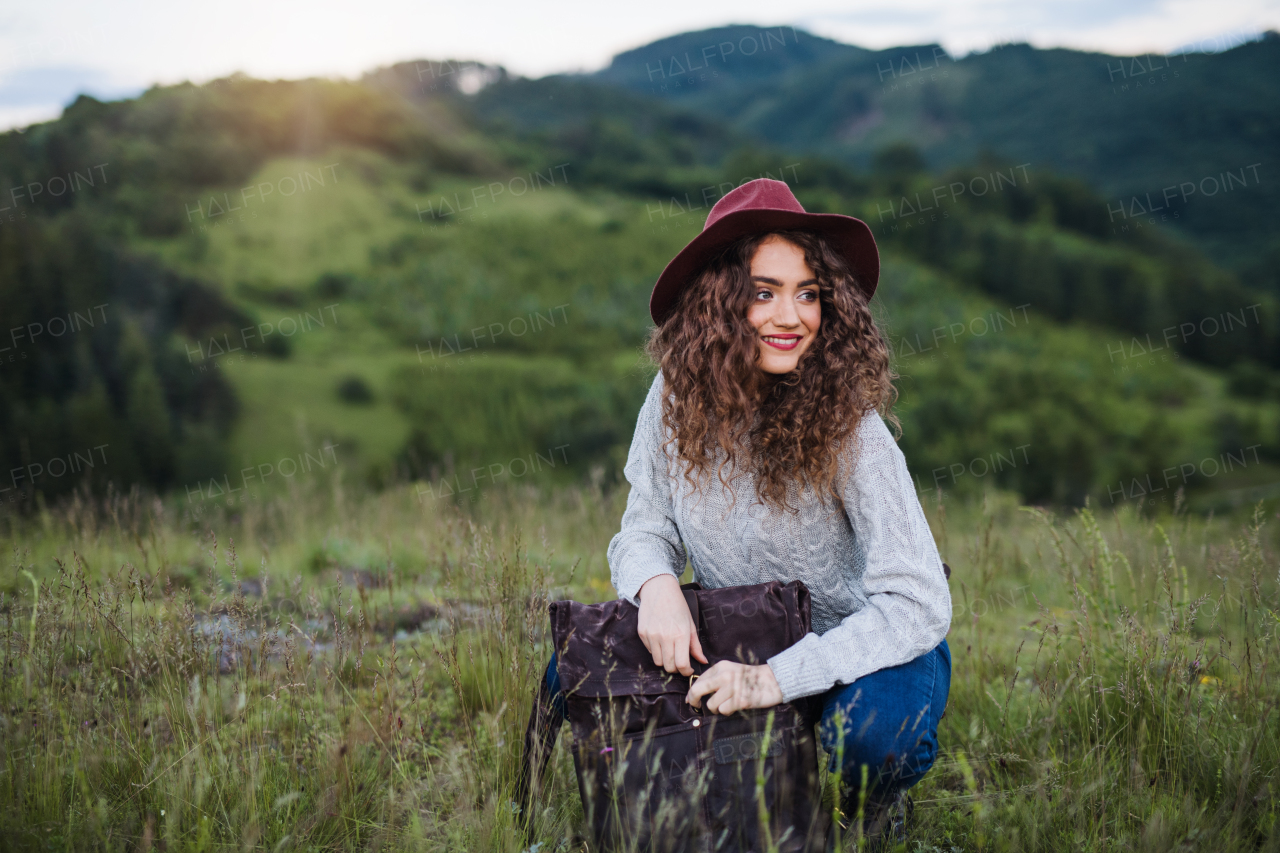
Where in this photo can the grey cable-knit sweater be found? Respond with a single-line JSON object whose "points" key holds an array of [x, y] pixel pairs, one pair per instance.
{"points": [[880, 597]]}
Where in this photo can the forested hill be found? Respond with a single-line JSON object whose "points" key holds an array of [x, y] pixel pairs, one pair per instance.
{"points": [[1128, 126], [408, 230]]}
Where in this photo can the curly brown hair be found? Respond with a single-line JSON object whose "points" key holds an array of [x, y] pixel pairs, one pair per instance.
{"points": [[787, 428]]}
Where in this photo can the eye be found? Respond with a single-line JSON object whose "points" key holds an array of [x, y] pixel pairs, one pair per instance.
{"points": [[764, 292], [810, 295]]}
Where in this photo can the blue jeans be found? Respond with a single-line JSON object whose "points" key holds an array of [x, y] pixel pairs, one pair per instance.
{"points": [[888, 718]]}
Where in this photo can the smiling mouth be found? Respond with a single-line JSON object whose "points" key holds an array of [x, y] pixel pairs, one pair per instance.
{"points": [[783, 342]]}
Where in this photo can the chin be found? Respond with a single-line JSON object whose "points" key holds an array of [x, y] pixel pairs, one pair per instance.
{"points": [[780, 363], [779, 368]]}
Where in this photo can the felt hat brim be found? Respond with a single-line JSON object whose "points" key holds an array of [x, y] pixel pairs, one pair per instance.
{"points": [[847, 235]]}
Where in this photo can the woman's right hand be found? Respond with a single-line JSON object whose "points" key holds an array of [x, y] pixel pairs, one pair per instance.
{"points": [[666, 625]]}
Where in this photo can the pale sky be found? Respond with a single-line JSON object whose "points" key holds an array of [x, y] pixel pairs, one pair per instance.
{"points": [[53, 49]]}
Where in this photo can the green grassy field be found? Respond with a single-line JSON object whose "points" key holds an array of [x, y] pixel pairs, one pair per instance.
{"points": [[325, 668]]}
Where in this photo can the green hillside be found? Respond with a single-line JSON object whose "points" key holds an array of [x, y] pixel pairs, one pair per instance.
{"points": [[1127, 125], [416, 283]]}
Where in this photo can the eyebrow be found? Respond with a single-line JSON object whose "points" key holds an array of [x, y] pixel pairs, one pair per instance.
{"points": [[776, 283]]}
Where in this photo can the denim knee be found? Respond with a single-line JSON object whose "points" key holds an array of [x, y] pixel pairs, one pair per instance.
{"points": [[552, 679], [889, 759], [890, 720]]}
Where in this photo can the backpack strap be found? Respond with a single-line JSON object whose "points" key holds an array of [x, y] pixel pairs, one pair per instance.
{"points": [[539, 742]]}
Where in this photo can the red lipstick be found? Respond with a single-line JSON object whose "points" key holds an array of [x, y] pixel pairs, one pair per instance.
{"points": [[782, 342]]}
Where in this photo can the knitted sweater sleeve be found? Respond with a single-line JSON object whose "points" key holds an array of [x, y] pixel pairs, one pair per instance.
{"points": [[648, 543], [907, 610]]}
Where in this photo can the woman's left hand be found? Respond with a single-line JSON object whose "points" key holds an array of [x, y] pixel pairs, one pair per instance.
{"points": [[735, 686]]}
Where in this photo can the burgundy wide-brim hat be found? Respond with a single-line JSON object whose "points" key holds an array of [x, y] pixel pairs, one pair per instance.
{"points": [[756, 206]]}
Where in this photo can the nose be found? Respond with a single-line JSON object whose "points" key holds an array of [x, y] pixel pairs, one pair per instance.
{"points": [[785, 314]]}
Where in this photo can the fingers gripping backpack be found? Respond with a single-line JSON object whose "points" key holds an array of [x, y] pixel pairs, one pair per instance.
{"points": [[654, 772]]}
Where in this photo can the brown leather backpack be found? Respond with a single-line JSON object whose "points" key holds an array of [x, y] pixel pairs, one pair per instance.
{"points": [[654, 772]]}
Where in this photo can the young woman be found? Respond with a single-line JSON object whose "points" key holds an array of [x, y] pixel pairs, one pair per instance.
{"points": [[760, 454]]}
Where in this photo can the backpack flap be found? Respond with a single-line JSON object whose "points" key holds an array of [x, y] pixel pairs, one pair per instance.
{"points": [[750, 624]]}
